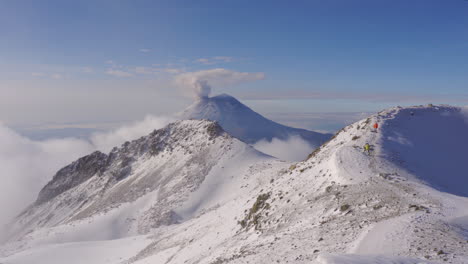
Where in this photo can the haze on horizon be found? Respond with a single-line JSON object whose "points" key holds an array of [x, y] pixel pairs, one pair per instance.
{"points": [[94, 64], [78, 79]]}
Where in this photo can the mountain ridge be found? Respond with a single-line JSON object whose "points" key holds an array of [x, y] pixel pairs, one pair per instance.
{"points": [[171, 163], [340, 205], [244, 123]]}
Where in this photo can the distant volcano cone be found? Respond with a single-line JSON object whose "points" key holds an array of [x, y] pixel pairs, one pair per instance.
{"points": [[244, 123]]}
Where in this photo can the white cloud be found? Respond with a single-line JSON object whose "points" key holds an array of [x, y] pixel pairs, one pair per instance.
{"points": [[124, 71], [119, 73], [145, 50], [107, 140], [144, 70], [28, 165], [214, 60], [223, 58], [295, 148], [203, 61], [173, 70], [56, 76], [200, 82]]}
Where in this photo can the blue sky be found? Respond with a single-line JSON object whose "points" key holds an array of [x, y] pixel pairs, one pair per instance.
{"points": [[317, 56]]}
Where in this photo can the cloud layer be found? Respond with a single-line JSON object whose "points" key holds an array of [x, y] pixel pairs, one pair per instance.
{"points": [[294, 148], [28, 165], [199, 83], [105, 141]]}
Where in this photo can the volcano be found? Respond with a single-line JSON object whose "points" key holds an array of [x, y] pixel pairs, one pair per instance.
{"points": [[242, 122]]}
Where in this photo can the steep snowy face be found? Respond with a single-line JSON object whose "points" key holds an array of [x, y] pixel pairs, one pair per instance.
{"points": [[424, 144], [140, 183], [345, 200], [430, 143], [341, 201], [244, 123], [341, 205]]}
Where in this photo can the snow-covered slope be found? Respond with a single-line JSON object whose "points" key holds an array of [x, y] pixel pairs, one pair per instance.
{"points": [[138, 186], [432, 144], [242, 122], [341, 200], [340, 205]]}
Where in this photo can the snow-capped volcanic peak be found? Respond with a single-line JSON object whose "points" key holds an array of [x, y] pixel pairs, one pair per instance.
{"points": [[244, 123]]}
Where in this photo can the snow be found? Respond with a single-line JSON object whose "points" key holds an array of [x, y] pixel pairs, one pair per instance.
{"points": [[222, 183], [95, 252], [340, 205], [370, 259], [163, 256], [247, 125], [425, 140], [385, 237]]}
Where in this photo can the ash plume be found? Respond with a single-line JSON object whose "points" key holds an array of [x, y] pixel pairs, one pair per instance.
{"points": [[199, 84], [202, 89]]}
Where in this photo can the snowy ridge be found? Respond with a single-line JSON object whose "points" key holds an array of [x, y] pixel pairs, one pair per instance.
{"points": [[136, 187], [340, 205], [244, 123], [340, 200], [375, 204]]}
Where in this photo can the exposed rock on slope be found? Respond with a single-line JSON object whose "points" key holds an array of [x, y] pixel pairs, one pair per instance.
{"points": [[158, 172], [73, 175], [250, 208], [339, 201]]}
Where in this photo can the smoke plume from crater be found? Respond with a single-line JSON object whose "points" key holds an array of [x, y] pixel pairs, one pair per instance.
{"points": [[199, 84], [202, 88]]}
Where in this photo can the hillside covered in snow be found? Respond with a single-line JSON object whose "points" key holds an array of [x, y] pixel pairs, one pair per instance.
{"points": [[191, 193], [244, 123]]}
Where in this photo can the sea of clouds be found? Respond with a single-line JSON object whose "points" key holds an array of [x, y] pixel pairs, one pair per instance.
{"points": [[27, 165]]}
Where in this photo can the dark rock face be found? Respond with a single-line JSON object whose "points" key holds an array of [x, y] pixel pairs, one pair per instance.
{"points": [[161, 170], [117, 165], [72, 175], [214, 130]]}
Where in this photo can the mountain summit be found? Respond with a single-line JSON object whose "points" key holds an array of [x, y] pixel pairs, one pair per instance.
{"points": [[191, 193], [242, 122], [183, 166]]}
